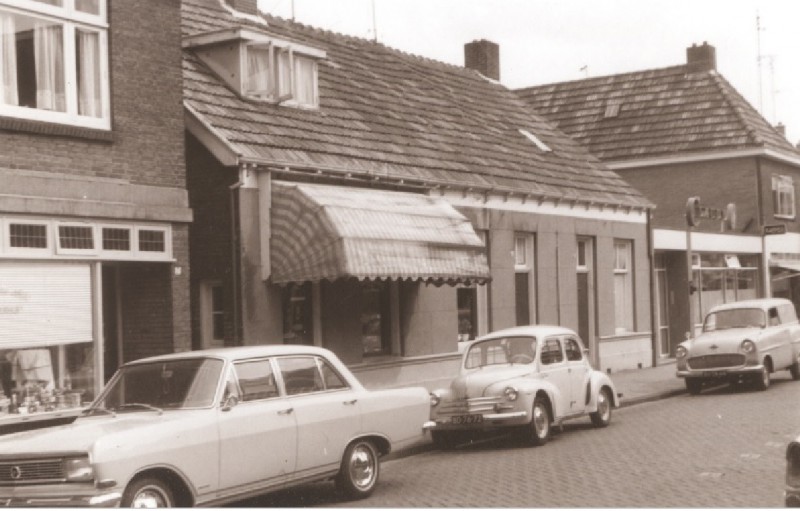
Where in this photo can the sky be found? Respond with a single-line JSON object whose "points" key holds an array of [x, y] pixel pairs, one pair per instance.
{"points": [[546, 41]]}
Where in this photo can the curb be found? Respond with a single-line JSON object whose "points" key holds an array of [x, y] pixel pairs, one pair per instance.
{"points": [[427, 446]]}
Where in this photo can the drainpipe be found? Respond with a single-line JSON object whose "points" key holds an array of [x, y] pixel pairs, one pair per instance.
{"points": [[654, 324], [234, 196], [765, 277]]}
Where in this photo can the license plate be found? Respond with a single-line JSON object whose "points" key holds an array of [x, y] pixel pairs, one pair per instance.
{"points": [[714, 374], [467, 419]]}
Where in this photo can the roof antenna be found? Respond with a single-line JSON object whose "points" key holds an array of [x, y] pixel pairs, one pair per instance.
{"points": [[585, 70], [374, 24], [760, 58], [292, 10]]}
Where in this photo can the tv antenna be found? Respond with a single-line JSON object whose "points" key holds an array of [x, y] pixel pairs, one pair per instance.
{"points": [[374, 24]]}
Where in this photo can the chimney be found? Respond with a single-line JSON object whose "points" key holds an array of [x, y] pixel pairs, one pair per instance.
{"points": [[244, 6], [701, 58], [483, 56], [781, 128]]}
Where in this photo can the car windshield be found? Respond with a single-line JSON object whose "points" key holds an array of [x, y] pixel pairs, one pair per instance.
{"points": [[734, 318], [165, 385], [503, 350]]}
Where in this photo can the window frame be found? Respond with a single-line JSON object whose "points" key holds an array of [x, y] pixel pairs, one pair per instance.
{"points": [[626, 270], [32, 251], [68, 17], [275, 73], [76, 251], [783, 196], [525, 265]]}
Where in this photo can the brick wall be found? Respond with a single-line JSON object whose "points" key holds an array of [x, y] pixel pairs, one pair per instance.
{"points": [[147, 310]]}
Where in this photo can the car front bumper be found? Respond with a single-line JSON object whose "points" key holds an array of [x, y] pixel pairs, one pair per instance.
{"points": [[49, 496], [487, 421], [719, 372]]}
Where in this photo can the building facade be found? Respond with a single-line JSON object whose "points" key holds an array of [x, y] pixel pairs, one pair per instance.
{"points": [[94, 212], [692, 144], [389, 207]]}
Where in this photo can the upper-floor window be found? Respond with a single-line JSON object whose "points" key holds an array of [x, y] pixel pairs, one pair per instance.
{"points": [[54, 61], [281, 75], [783, 196]]}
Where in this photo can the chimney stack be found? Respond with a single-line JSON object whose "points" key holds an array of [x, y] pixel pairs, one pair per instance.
{"points": [[781, 128], [483, 56], [701, 58], [244, 6]]}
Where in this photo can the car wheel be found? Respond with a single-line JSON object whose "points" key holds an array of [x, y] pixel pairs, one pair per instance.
{"points": [[794, 370], [359, 472], [539, 432], [763, 381], [694, 385], [147, 492], [602, 416]]}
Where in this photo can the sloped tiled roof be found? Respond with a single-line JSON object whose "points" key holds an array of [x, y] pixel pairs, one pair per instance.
{"points": [[386, 113], [663, 112]]}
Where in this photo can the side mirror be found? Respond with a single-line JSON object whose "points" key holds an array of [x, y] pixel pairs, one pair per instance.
{"points": [[229, 402]]}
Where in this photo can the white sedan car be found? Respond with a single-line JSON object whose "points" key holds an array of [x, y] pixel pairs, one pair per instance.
{"points": [[528, 378], [215, 426]]}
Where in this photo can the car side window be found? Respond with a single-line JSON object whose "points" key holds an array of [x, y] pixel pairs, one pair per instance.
{"points": [[774, 320], [332, 379], [300, 375], [256, 379], [551, 352], [573, 349], [788, 313]]}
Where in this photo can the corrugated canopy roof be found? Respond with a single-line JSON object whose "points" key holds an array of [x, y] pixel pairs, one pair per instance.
{"points": [[329, 232], [386, 113]]}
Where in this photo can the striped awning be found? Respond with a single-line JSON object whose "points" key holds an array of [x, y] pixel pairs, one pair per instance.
{"points": [[322, 232]]}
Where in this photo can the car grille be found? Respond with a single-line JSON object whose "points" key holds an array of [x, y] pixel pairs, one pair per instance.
{"points": [[31, 471], [716, 361], [469, 406]]}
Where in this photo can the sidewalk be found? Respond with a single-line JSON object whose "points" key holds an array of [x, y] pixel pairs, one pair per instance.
{"points": [[649, 384]]}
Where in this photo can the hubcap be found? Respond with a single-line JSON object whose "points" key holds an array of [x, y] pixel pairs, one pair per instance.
{"points": [[765, 376], [362, 467], [603, 406], [150, 497], [540, 422]]}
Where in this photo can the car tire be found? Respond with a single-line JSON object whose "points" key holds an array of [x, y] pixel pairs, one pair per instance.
{"points": [[602, 416], [794, 370], [763, 379], [359, 471], [694, 385], [147, 492], [541, 423]]}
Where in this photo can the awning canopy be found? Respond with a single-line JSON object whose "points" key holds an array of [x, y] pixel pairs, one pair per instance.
{"points": [[790, 267], [331, 232]]}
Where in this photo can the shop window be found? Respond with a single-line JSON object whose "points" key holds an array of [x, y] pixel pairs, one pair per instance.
{"points": [[623, 286], [467, 300], [523, 276], [375, 318], [297, 314], [25, 235], [116, 239], [783, 196], [54, 62]]}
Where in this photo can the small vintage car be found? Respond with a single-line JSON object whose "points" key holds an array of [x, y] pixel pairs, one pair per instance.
{"points": [[214, 426], [792, 493], [528, 378], [745, 340]]}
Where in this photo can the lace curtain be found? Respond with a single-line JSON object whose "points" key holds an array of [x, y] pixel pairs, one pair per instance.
{"points": [[8, 60], [49, 60], [88, 45], [258, 71]]}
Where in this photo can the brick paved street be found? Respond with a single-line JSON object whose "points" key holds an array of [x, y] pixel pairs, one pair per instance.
{"points": [[723, 448]]}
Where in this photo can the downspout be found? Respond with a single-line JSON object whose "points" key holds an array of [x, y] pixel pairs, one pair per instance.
{"points": [[234, 204], [760, 204], [654, 325]]}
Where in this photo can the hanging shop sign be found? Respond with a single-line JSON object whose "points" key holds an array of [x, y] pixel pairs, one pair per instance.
{"points": [[695, 213]]}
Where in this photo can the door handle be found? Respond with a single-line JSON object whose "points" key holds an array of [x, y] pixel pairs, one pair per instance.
{"points": [[351, 402], [286, 412]]}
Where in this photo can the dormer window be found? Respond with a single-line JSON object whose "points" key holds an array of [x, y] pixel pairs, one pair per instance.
{"points": [[260, 66], [280, 75]]}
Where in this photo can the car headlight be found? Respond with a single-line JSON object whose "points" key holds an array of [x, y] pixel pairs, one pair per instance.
{"points": [[435, 399], [748, 346], [511, 393], [793, 465], [681, 352], [78, 469]]}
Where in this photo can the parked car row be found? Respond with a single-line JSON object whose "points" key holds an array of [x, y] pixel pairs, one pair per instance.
{"points": [[217, 426]]}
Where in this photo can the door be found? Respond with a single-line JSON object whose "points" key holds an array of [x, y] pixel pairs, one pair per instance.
{"points": [[554, 369], [662, 295], [579, 373], [258, 436], [586, 293], [327, 412]]}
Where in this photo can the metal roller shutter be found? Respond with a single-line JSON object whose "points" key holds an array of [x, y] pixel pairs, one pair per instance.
{"points": [[44, 304]]}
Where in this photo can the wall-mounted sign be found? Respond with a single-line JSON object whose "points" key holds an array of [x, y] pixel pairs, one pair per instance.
{"points": [[774, 229], [695, 212]]}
